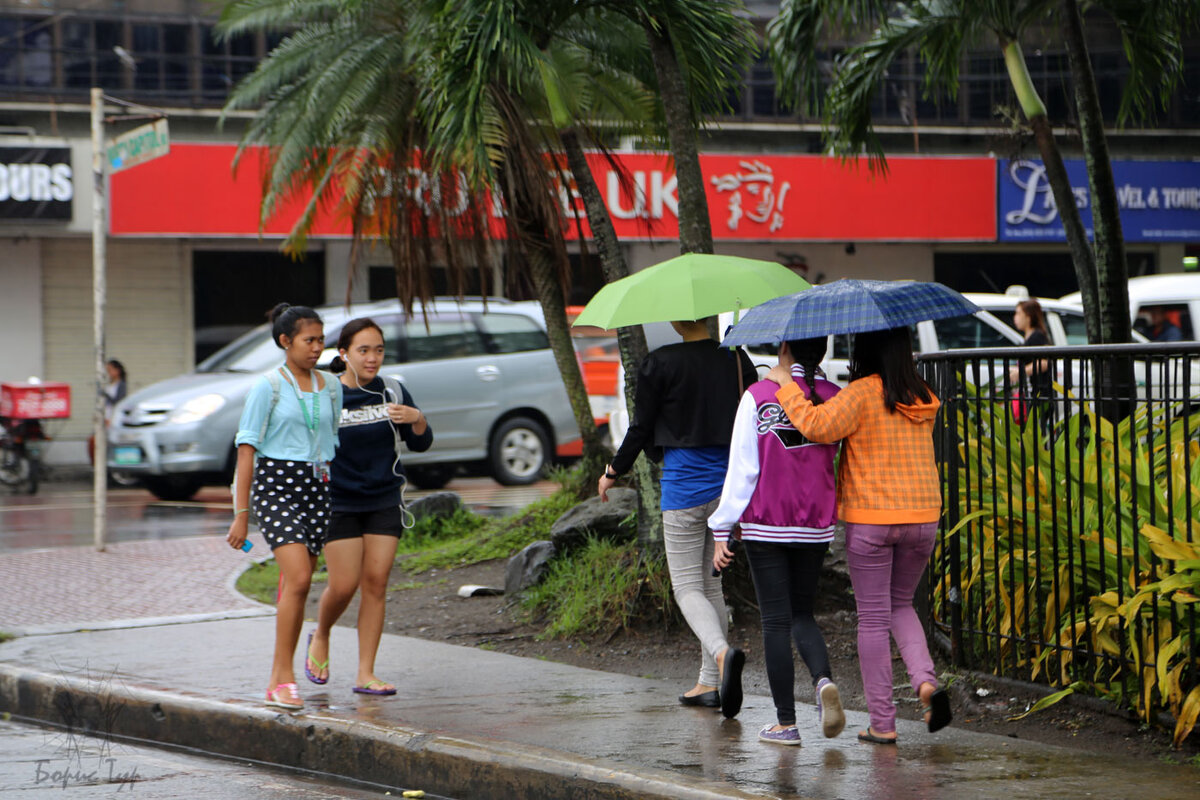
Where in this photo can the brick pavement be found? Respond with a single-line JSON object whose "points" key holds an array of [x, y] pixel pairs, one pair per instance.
{"points": [[70, 588], [138, 582]]}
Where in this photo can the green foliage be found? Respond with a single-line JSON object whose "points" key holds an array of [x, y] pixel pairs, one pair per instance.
{"points": [[941, 32], [431, 532], [600, 589], [467, 538], [1110, 505], [7, 637]]}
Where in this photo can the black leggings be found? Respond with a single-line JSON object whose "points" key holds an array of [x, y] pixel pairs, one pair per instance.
{"points": [[785, 580]]}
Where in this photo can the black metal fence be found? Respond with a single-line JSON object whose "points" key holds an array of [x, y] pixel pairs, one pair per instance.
{"points": [[1070, 547]]}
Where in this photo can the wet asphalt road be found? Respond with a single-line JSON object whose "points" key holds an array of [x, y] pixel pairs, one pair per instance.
{"points": [[41, 762], [60, 514]]}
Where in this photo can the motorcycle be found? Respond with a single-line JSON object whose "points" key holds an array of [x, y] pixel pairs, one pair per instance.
{"points": [[21, 453]]}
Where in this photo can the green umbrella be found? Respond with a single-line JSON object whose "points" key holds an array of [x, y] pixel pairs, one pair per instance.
{"points": [[691, 286]]}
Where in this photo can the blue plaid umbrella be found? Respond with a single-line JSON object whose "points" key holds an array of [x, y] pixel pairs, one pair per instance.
{"points": [[847, 306]]}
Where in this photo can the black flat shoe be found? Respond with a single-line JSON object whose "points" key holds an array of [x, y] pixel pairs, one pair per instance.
{"points": [[731, 683], [704, 699]]}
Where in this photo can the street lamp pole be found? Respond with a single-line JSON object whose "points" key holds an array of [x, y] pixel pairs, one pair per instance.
{"points": [[99, 292]]}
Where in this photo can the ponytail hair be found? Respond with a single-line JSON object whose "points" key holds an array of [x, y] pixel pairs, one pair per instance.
{"points": [[808, 353], [286, 319]]}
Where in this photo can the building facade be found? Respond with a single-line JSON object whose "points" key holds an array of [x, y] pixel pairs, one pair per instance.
{"points": [[190, 264]]}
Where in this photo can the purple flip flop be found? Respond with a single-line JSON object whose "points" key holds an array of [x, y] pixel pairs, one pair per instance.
{"points": [[370, 688], [308, 673]]}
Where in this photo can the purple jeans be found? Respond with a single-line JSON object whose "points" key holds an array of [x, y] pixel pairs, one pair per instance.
{"points": [[886, 562]]}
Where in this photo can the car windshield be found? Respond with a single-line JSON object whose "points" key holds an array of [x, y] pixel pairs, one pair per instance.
{"points": [[252, 352]]}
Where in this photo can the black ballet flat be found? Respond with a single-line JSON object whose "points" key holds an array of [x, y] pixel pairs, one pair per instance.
{"points": [[704, 699]]}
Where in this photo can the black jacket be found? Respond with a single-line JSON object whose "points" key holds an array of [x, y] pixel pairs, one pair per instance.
{"points": [[362, 477], [687, 396]]}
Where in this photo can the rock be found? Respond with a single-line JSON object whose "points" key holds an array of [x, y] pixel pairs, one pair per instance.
{"points": [[438, 504], [528, 566], [599, 519]]}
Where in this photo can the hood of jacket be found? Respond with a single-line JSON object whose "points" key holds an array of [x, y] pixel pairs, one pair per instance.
{"points": [[920, 412]]}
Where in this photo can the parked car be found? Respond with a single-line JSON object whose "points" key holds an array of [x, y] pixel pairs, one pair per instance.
{"points": [[486, 380], [1176, 293]]}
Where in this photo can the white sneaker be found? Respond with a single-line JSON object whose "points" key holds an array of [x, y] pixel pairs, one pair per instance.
{"points": [[829, 708]]}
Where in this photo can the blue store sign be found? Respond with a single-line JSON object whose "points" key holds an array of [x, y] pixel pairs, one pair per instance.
{"points": [[1160, 201]]}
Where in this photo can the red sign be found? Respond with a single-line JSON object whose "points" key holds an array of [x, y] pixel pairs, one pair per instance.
{"points": [[193, 192], [35, 400]]}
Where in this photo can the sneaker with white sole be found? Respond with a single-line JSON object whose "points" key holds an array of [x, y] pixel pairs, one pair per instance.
{"points": [[787, 736], [829, 708]]}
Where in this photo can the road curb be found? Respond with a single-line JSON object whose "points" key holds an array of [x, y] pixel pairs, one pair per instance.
{"points": [[393, 756]]}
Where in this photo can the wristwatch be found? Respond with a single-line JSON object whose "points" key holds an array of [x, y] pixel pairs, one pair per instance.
{"points": [[608, 473]]}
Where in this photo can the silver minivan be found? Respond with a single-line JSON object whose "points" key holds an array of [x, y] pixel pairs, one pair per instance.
{"points": [[486, 380]]}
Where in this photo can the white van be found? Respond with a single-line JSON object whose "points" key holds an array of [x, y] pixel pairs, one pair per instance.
{"points": [[1177, 293], [982, 329]]}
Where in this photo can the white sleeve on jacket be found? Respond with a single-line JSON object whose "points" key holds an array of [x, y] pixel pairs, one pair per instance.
{"points": [[742, 476]]}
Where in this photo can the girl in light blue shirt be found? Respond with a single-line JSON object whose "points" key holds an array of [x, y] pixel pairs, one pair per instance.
{"points": [[286, 440]]}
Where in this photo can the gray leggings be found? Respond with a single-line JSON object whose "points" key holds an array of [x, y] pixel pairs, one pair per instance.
{"points": [[689, 545]]}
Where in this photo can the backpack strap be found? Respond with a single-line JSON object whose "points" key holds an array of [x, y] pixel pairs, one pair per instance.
{"points": [[274, 380], [332, 380]]}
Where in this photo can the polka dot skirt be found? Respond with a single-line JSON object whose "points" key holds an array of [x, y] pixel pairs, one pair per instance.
{"points": [[291, 505]]}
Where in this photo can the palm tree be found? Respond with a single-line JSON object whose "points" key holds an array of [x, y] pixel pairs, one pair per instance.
{"points": [[364, 93], [942, 31], [699, 48]]}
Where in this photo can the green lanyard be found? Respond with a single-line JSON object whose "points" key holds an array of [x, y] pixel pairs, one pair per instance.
{"points": [[310, 421]]}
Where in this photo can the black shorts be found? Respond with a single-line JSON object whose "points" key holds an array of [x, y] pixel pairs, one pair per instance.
{"points": [[353, 524]]}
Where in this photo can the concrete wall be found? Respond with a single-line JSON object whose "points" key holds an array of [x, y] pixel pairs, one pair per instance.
{"points": [[21, 309], [149, 322], [868, 261]]}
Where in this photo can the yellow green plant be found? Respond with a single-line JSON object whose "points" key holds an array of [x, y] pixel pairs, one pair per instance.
{"points": [[1078, 549]]}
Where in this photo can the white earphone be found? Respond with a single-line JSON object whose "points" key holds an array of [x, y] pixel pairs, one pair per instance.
{"points": [[407, 520]]}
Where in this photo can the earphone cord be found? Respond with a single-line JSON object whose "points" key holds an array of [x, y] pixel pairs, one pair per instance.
{"points": [[407, 519]]}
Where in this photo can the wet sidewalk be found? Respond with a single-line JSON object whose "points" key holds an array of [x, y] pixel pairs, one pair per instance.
{"points": [[470, 723]]}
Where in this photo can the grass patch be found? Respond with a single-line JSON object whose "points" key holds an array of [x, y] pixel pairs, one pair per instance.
{"points": [[431, 532], [467, 538], [600, 589], [7, 637], [260, 582]]}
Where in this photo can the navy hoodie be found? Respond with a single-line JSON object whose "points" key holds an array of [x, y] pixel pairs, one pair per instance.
{"points": [[362, 470]]}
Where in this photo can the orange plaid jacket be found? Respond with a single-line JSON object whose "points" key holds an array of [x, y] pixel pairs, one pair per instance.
{"points": [[887, 474]]}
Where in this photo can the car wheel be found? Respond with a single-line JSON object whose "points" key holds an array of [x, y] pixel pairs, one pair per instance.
{"points": [[173, 487], [519, 451], [432, 476]]}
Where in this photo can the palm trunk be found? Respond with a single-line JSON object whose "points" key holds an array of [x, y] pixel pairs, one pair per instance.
{"points": [[1111, 264], [550, 294], [695, 228], [1060, 186], [1116, 376], [630, 340]]}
